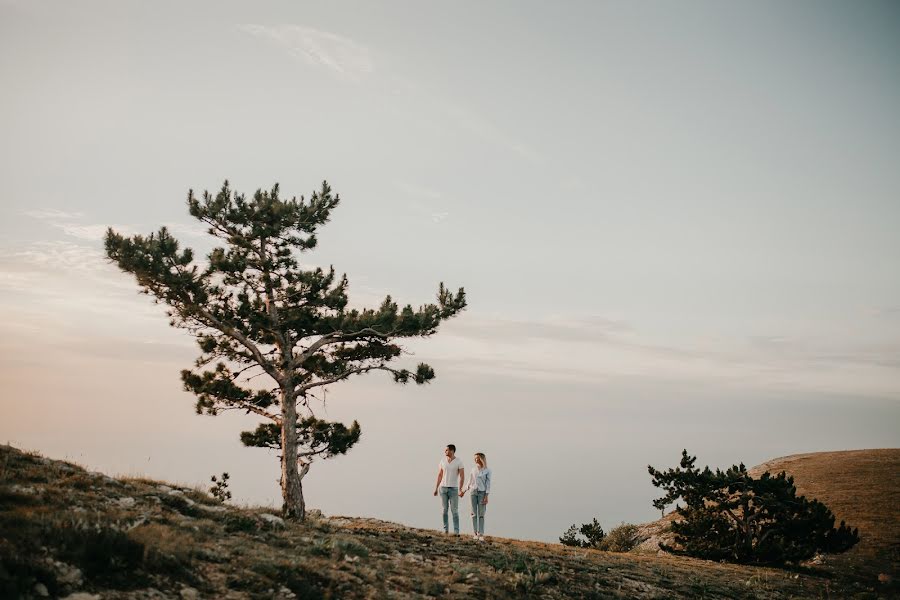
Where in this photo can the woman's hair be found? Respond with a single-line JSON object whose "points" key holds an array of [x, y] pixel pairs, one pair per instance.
{"points": [[482, 457]]}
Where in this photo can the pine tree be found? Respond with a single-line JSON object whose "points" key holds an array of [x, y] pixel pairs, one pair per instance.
{"points": [[729, 515], [592, 533], [255, 311]]}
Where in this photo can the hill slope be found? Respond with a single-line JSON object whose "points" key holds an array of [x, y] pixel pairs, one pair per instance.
{"points": [[861, 487], [64, 530]]}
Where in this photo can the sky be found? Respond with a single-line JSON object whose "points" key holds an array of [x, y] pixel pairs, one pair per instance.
{"points": [[675, 224]]}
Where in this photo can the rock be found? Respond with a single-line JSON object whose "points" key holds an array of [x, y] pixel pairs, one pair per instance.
{"points": [[414, 557], [351, 559], [212, 509], [314, 513], [126, 502], [27, 490], [67, 575], [189, 593], [180, 494], [82, 596], [164, 488], [285, 594], [272, 519], [41, 590]]}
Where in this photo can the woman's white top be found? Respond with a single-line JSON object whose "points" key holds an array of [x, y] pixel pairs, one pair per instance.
{"points": [[480, 480]]}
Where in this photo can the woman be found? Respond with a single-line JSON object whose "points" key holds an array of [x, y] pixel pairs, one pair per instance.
{"points": [[480, 486]]}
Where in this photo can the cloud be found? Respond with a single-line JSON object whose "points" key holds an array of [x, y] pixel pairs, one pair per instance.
{"points": [[424, 202], [69, 223], [52, 214], [596, 349], [342, 57], [488, 131]]}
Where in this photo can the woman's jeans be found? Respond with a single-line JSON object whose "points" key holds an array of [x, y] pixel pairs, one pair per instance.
{"points": [[450, 496], [478, 510]]}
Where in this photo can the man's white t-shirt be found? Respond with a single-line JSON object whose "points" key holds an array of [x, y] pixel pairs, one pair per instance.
{"points": [[451, 472]]}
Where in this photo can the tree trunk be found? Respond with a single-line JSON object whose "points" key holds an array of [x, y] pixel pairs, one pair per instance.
{"points": [[294, 506]]}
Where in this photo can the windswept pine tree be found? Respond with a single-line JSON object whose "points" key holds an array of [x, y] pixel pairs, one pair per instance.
{"points": [[255, 311]]}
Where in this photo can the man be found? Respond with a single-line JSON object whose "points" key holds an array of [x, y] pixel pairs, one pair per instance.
{"points": [[451, 476]]}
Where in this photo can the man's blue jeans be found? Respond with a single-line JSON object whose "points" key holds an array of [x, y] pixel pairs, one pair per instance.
{"points": [[450, 496]]}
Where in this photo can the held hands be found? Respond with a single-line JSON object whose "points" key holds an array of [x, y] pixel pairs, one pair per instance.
{"points": [[462, 493]]}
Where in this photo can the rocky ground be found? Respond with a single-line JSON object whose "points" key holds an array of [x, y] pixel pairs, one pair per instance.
{"points": [[69, 533]]}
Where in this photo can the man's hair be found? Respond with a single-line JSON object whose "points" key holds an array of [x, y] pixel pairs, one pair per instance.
{"points": [[452, 447]]}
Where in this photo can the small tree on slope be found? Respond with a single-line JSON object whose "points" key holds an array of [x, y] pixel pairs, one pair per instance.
{"points": [[729, 515], [255, 311]]}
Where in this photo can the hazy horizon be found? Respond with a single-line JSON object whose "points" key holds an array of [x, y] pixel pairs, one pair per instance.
{"points": [[676, 226]]}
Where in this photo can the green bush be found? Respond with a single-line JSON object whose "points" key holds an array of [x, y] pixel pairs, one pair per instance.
{"points": [[622, 538]]}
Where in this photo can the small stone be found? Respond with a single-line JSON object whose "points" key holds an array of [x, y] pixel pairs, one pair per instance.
{"points": [[285, 594], [272, 519], [180, 494], [351, 559], [67, 575], [82, 596], [213, 509], [413, 557], [164, 488], [41, 590], [189, 593], [126, 502]]}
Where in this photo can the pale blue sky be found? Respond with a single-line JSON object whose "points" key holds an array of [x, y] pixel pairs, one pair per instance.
{"points": [[661, 213]]}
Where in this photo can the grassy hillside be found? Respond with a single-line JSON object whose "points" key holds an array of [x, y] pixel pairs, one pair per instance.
{"points": [[64, 530], [861, 487]]}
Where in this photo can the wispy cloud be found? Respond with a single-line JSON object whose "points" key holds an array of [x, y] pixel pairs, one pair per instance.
{"points": [[467, 119], [52, 214], [424, 202], [596, 348], [353, 62], [342, 57], [70, 224]]}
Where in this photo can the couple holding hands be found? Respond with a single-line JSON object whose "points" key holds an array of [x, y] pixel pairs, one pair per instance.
{"points": [[451, 475]]}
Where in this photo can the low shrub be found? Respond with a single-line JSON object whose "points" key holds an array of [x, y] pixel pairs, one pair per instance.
{"points": [[622, 538]]}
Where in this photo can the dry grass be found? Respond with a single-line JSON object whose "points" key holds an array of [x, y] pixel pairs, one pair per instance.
{"points": [[861, 487]]}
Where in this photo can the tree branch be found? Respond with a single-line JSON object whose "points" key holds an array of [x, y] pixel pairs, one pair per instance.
{"points": [[238, 336]]}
